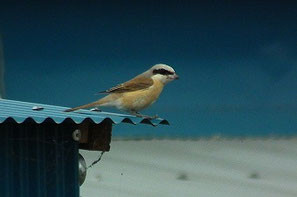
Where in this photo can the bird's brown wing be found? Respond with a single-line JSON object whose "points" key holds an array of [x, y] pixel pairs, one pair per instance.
{"points": [[137, 83]]}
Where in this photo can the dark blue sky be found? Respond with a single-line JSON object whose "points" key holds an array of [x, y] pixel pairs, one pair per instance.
{"points": [[237, 60]]}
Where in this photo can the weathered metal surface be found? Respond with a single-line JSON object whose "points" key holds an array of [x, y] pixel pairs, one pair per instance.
{"points": [[94, 140], [38, 160], [21, 111], [2, 70], [39, 146]]}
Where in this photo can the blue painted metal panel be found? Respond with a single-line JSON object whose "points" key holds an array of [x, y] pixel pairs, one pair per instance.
{"points": [[38, 160], [20, 111]]}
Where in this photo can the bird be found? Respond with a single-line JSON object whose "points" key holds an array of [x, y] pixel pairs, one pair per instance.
{"points": [[136, 94]]}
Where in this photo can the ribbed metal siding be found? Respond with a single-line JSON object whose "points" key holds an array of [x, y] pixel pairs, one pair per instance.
{"points": [[21, 111], [38, 160]]}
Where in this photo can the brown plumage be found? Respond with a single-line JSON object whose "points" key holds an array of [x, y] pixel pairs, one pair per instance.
{"points": [[137, 83], [137, 93]]}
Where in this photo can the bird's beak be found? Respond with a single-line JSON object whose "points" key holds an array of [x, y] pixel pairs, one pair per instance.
{"points": [[176, 76]]}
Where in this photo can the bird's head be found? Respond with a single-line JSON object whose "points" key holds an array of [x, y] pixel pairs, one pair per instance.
{"points": [[163, 73]]}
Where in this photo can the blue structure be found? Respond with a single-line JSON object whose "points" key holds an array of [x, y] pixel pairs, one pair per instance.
{"points": [[39, 146]]}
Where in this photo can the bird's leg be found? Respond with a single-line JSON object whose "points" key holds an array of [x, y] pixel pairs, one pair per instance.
{"points": [[135, 113]]}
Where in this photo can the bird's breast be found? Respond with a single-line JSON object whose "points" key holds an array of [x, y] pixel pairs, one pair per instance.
{"points": [[141, 99]]}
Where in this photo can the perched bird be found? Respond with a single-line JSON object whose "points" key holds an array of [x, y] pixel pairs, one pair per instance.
{"points": [[137, 93]]}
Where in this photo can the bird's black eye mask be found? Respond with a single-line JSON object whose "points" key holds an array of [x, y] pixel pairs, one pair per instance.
{"points": [[162, 72]]}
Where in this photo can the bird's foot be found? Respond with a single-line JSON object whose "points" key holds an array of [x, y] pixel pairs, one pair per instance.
{"points": [[145, 116]]}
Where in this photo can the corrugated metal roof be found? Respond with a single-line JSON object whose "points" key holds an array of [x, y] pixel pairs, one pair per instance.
{"points": [[21, 111]]}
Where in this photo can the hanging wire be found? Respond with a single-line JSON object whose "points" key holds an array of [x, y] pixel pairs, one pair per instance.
{"points": [[96, 161]]}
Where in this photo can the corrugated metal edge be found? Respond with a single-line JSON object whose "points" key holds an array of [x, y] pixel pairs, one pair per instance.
{"points": [[76, 117], [124, 120]]}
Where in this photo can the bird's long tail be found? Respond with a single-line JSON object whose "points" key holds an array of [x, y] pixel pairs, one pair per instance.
{"points": [[103, 101], [94, 104]]}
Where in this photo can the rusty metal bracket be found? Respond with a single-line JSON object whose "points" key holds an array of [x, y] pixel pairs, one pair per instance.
{"points": [[95, 136]]}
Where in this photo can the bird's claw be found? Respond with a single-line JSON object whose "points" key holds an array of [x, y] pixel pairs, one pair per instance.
{"points": [[146, 117]]}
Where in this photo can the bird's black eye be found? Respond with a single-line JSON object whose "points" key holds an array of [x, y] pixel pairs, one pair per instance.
{"points": [[162, 71]]}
